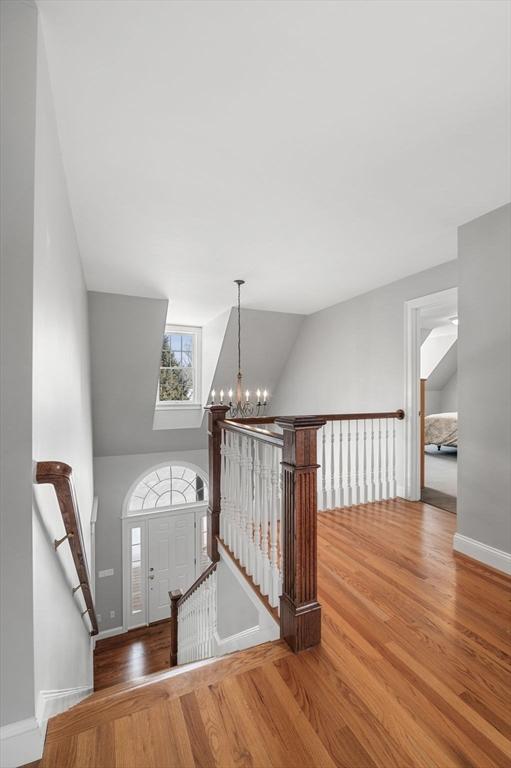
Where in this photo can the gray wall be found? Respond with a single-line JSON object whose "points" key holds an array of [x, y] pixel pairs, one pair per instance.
{"points": [[18, 26], [62, 423], [484, 370], [126, 336], [350, 357]]}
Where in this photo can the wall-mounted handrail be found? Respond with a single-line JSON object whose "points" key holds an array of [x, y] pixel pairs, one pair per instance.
{"points": [[59, 474]]}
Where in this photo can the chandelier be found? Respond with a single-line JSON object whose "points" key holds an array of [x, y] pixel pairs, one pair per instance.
{"points": [[242, 406]]}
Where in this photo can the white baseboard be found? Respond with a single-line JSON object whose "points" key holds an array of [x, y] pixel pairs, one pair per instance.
{"points": [[20, 743], [110, 633], [51, 703], [495, 558]]}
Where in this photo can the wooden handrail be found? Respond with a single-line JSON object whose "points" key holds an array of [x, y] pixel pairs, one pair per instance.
{"points": [[399, 414], [275, 438], [59, 475], [196, 584], [176, 600]]}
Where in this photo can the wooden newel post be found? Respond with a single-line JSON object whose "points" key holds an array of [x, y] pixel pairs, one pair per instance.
{"points": [[216, 414], [300, 612], [175, 596]]}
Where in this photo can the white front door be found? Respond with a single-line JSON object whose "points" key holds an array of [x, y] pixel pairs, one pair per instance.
{"points": [[170, 560]]}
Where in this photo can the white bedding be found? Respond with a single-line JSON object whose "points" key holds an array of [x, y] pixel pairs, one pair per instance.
{"points": [[441, 429]]}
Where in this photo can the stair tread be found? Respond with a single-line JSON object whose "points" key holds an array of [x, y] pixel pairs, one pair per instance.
{"points": [[127, 698]]}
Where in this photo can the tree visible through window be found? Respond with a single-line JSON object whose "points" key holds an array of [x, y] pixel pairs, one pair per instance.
{"points": [[177, 368]]}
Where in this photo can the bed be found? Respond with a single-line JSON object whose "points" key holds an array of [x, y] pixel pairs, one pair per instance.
{"points": [[441, 429]]}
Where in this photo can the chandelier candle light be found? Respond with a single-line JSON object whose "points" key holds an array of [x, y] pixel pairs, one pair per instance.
{"points": [[243, 406]]}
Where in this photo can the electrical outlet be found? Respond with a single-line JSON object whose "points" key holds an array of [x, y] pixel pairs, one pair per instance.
{"points": [[99, 618], [112, 614]]}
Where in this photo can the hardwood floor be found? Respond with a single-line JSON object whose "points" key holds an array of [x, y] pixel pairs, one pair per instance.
{"points": [[125, 657], [413, 670]]}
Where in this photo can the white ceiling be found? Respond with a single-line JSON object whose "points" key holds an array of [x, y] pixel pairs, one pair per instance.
{"points": [[316, 149]]}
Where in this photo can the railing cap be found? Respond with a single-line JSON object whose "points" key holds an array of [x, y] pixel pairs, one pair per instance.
{"points": [[300, 422], [47, 469]]}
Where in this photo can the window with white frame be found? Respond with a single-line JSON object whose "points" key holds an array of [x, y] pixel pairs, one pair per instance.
{"points": [[179, 382], [165, 487]]}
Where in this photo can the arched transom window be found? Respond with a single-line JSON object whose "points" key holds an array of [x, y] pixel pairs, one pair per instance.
{"points": [[169, 486]]}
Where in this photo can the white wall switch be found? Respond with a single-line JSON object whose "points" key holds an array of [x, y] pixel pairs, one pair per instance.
{"points": [[108, 572], [112, 614]]}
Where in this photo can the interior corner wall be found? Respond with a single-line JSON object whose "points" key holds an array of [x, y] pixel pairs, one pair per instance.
{"points": [[62, 424], [484, 372], [18, 28], [349, 358]]}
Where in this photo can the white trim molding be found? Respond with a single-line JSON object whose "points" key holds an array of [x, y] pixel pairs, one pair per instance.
{"points": [[110, 633], [21, 742], [413, 309], [483, 553], [51, 703]]}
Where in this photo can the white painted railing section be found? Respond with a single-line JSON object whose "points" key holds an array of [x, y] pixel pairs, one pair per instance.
{"points": [[250, 519], [358, 462], [197, 618]]}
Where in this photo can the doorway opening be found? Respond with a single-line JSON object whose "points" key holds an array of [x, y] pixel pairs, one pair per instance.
{"points": [[431, 397]]}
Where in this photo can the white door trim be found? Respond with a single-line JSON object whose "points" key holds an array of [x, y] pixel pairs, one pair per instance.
{"points": [[412, 385], [197, 510]]}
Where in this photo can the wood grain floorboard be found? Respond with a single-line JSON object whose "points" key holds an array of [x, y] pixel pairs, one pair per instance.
{"points": [[414, 670]]}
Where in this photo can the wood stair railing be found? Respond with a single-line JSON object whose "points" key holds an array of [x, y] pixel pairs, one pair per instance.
{"points": [[263, 501], [177, 599], [59, 475]]}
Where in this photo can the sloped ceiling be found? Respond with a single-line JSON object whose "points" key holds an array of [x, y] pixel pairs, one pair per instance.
{"points": [[445, 370], [328, 147], [126, 335]]}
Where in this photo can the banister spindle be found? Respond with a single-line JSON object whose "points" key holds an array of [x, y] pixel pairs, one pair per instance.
{"points": [[380, 476], [364, 459], [357, 465], [387, 464], [349, 495], [373, 486], [341, 476], [300, 612], [323, 465], [394, 481], [332, 465]]}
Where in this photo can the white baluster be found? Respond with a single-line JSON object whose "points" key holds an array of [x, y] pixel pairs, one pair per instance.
{"points": [[394, 481], [243, 501], [323, 466], [357, 466], [364, 458], [373, 486], [341, 478], [250, 508], [222, 484], [274, 514], [258, 566], [265, 518], [349, 495], [332, 465], [387, 465], [380, 480]]}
